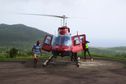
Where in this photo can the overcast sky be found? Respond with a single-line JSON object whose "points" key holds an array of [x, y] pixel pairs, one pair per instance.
{"points": [[103, 21]]}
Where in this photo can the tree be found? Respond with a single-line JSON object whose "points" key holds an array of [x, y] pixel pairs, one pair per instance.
{"points": [[13, 52]]}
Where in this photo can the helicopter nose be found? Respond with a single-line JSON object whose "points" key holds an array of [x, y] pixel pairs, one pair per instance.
{"points": [[62, 48]]}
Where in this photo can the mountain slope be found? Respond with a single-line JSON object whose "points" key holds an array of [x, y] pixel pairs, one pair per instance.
{"points": [[19, 35], [115, 51]]}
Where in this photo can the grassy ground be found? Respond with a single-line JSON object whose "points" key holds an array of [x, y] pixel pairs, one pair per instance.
{"points": [[4, 57], [110, 57], [21, 58]]}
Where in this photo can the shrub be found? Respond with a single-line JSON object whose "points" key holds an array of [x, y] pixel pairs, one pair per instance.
{"points": [[13, 52]]}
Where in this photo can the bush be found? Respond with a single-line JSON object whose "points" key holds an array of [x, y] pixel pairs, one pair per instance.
{"points": [[13, 52]]}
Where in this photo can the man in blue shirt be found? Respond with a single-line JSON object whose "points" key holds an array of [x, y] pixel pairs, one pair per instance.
{"points": [[36, 50]]}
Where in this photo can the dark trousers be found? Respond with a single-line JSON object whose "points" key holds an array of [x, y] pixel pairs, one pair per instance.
{"points": [[87, 51]]}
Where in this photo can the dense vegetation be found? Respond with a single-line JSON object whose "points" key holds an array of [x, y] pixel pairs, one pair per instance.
{"points": [[115, 53]]}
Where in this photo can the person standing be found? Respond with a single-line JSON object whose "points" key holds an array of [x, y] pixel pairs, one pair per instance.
{"points": [[86, 50], [36, 50]]}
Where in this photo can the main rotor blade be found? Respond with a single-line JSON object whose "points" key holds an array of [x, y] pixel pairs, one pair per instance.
{"points": [[63, 16]]}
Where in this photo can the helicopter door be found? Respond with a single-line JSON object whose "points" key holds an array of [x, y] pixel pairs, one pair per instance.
{"points": [[47, 43], [77, 44], [83, 40]]}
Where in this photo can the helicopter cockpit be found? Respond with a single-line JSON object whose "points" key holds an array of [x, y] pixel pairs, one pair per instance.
{"points": [[64, 40]]}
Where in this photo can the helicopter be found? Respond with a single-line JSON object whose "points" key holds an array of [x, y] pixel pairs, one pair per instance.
{"points": [[63, 44]]}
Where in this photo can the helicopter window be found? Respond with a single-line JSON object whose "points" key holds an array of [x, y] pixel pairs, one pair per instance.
{"points": [[48, 40], [63, 40], [81, 38], [66, 40], [76, 41], [57, 41]]}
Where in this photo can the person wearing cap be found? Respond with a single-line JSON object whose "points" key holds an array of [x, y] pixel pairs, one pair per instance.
{"points": [[36, 50], [86, 50]]}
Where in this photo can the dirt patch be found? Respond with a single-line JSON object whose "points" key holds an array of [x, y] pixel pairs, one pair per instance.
{"points": [[96, 72]]}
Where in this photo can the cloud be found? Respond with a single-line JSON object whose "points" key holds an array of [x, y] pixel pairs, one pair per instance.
{"points": [[105, 19]]}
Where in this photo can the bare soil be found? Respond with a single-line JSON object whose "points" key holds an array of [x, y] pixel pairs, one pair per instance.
{"points": [[96, 72]]}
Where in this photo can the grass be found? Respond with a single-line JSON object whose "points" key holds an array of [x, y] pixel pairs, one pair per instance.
{"points": [[21, 58], [116, 58], [121, 58], [15, 59]]}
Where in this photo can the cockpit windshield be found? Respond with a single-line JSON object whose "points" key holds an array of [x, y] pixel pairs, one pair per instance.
{"points": [[63, 40]]}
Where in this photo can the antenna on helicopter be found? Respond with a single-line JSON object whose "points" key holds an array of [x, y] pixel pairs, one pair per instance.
{"points": [[64, 20], [63, 17]]}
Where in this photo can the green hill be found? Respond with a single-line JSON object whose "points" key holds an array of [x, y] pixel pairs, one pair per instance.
{"points": [[114, 51], [19, 35]]}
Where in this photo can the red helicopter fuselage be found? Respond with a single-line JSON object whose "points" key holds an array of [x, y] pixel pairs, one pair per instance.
{"points": [[64, 44]]}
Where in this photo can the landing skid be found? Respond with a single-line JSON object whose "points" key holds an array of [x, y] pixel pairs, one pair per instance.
{"points": [[75, 59], [47, 61]]}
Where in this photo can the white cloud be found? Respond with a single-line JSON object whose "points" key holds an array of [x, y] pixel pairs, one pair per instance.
{"points": [[102, 19]]}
